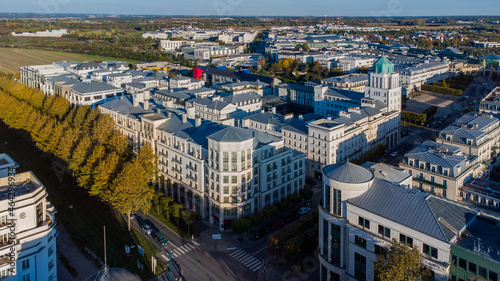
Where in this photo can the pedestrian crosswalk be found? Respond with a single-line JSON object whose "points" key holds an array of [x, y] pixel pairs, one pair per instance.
{"points": [[247, 260], [178, 251]]}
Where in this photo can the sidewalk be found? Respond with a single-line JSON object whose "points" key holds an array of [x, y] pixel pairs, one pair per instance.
{"points": [[83, 266]]}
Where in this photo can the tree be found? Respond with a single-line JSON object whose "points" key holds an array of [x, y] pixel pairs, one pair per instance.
{"points": [[241, 225], [401, 263], [131, 191], [306, 47], [156, 201], [294, 198], [270, 211], [306, 193], [165, 204], [189, 217], [256, 218], [176, 210]]}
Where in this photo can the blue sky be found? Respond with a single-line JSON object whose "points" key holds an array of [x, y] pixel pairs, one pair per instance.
{"points": [[259, 7]]}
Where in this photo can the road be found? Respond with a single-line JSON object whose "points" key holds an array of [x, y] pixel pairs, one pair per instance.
{"points": [[198, 261]]}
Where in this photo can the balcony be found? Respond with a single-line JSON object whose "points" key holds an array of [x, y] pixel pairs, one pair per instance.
{"points": [[422, 180], [178, 161]]}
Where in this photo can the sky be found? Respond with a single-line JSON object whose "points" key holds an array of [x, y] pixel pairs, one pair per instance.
{"points": [[392, 8]]}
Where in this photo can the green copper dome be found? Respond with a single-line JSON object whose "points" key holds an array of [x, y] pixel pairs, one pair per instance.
{"points": [[383, 65]]}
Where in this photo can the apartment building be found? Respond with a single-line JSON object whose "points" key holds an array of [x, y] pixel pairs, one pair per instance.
{"points": [[475, 134], [180, 83], [222, 172], [353, 82], [34, 76], [169, 46], [440, 169], [82, 93], [491, 103], [33, 222], [412, 78], [362, 213], [352, 63]]}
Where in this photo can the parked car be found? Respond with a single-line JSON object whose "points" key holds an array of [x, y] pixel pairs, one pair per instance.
{"points": [[147, 229], [394, 154], [277, 224], [160, 238], [304, 210]]}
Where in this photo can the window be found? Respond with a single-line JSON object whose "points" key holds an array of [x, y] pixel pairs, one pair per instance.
{"points": [[364, 222], [51, 264], [445, 172], [406, 240], [379, 250], [472, 267], [493, 276], [234, 179], [26, 264], [226, 179], [359, 267], [454, 260], [462, 263], [360, 241], [482, 272], [226, 189], [382, 230], [337, 200], [26, 277], [430, 251]]}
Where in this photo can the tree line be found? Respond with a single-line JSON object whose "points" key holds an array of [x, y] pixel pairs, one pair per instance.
{"points": [[99, 156]]}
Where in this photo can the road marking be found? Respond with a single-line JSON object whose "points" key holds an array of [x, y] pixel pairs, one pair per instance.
{"points": [[165, 257], [233, 253], [260, 250], [254, 263], [189, 246], [247, 260], [258, 267], [242, 258], [239, 255], [180, 250]]}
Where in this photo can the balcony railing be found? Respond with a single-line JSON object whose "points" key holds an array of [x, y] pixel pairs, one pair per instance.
{"points": [[422, 180]]}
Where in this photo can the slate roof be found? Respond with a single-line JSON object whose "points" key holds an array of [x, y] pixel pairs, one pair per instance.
{"points": [[470, 126], [238, 98], [87, 65], [232, 134], [241, 76], [348, 173], [491, 57], [347, 79], [386, 172], [420, 211], [85, 88]]}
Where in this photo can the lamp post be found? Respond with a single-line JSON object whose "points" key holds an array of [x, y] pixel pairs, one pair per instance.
{"points": [[170, 266]]}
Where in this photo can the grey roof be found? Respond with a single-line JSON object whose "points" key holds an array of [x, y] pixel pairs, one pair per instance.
{"points": [[346, 94], [125, 106], [182, 96], [298, 87], [278, 120], [386, 172], [348, 173], [232, 134], [65, 78], [87, 65], [471, 126], [238, 98], [491, 57], [417, 210], [93, 87], [209, 103], [347, 79]]}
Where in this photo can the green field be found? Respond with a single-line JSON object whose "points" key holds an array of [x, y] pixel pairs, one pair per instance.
{"points": [[13, 58]]}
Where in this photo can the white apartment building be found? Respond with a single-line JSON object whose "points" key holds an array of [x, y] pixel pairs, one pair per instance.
{"points": [[222, 172], [475, 134], [412, 78], [34, 76], [491, 103], [361, 214], [168, 45], [118, 79], [32, 222], [440, 169], [91, 93], [351, 64], [180, 83]]}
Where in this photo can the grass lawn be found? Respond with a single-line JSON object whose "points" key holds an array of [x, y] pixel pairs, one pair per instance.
{"points": [[82, 216], [170, 225], [13, 58]]}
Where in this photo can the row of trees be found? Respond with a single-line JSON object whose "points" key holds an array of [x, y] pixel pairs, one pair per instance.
{"points": [[166, 206], [98, 156], [442, 90]]}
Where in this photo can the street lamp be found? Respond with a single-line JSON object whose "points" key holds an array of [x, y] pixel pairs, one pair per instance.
{"points": [[170, 267]]}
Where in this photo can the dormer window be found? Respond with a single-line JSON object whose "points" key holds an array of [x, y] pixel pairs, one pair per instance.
{"points": [[469, 142], [445, 172]]}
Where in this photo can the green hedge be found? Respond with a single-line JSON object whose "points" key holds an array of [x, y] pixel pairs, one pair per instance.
{"points": [[412, 117], [442, 90]]}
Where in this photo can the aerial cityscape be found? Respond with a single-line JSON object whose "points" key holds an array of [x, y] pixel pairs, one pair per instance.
{"points": [[250, 140]]}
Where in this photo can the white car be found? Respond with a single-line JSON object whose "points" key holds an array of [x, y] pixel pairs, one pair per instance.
{"points": [[304, 210], [147, 229]]}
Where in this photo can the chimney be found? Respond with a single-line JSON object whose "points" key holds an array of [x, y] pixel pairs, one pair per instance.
{"points": [[288, 116], [184, 118], [146, 104], [135, 101], [273, 110], [158, 110], [262, 111], [197, 121], [190, 111], [301, 117]]}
